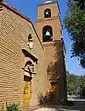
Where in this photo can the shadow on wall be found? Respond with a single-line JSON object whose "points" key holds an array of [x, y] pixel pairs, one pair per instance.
{"points": [[54, 67], [56, 71]]}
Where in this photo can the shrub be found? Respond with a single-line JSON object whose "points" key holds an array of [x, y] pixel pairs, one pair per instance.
{"points": [[41, 99], [13, 107], [49, 98]]}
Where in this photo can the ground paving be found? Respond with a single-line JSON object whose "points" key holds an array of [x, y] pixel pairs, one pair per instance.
{"points": [[78, 106]]}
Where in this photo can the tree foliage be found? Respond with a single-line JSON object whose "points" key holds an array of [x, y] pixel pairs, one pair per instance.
{"points": [[80, 4], [72, 84], [74, 22], [76, 85], [82, 86]]}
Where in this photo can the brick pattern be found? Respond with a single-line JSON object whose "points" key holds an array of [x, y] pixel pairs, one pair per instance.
{"points": [[14, 32]]}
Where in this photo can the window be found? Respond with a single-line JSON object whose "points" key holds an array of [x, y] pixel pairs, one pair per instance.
{"points": [[47, 13], [47, 33]]}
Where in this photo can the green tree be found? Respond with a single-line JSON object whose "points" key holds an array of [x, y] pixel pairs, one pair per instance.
{"points": [[80, 4], [67, 73], [76, 85], [82, 86], [74, 22], [72, 84]]}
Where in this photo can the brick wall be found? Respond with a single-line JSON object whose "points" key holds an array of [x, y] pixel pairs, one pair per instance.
{"points": [[14, 33]]}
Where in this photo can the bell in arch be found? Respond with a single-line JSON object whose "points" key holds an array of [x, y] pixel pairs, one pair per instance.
{"points": [[47, 34], [47, 13]]}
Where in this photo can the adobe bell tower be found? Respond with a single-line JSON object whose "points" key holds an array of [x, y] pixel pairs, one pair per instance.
{"points": [[49, 30]]}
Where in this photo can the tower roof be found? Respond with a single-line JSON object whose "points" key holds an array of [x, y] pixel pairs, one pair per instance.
{"points": [[48, 1]]}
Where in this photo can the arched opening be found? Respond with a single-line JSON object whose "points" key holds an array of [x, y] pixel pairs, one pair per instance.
{"points": [[47, 13], [29, 68], [47, 33]]}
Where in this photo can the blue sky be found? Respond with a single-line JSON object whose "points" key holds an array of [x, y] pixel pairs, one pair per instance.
{"points": [[29, 9]]}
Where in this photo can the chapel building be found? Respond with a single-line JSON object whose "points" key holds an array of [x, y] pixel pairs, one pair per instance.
{"points": [[32, 59]]}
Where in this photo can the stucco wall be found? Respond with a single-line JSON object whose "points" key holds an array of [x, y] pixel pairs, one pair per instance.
{"points": [[54, 62], [54, 23], [51, 6], [54, 54]]}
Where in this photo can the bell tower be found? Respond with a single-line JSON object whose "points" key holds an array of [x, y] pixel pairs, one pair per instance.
{"points": [[49, 30], [48, 24]]}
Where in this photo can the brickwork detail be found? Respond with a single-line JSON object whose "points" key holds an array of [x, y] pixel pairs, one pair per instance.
{"points": [[14, 32]]}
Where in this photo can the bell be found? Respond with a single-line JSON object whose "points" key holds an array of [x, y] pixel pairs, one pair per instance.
{"points": [[47, 33], [47, 13]]}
